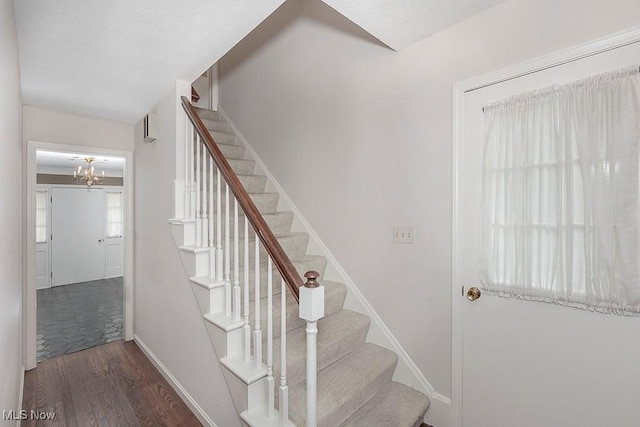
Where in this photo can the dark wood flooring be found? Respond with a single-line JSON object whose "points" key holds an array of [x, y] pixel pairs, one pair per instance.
{"points": [[111, 385]]}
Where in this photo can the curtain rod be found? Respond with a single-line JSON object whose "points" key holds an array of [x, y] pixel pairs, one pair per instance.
{"points": [[483, 106]]}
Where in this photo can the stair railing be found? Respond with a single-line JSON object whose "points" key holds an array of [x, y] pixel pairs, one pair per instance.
{"points": [[214, 198]]}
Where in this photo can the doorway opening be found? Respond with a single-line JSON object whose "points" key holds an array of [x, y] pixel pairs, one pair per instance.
{"points": [[79, 250]]}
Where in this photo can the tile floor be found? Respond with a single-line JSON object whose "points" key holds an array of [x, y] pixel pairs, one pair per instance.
{"points": [[78, 316]]}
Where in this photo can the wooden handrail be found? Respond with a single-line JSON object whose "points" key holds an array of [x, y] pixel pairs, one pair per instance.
{"points": [[268, 239], [195, 96]]}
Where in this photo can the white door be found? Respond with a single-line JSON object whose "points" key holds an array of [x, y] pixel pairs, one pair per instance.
{"points": [[531, 363], [114, 258], [78, 234]]}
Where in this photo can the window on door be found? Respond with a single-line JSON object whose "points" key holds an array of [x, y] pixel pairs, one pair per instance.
{"points": [[561, 193], [114, 213], [42, 197]]}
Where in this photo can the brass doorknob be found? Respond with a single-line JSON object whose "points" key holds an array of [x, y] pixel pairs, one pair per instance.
{"points": [[473, 293]]}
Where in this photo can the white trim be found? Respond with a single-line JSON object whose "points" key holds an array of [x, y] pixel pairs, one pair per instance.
{"points": [[406, 371], [29, 308], [177, 387], [565, 56]]}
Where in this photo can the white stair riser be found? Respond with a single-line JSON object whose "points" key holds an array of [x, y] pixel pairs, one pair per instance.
{"points": [[245, 396], [195, 263], [209, 300], [184, 233], [226, 344]]}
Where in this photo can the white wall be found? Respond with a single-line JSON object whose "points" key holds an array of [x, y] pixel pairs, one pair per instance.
{"points": [[45, 125], [10, 215], [167, 318], [345, 123]]}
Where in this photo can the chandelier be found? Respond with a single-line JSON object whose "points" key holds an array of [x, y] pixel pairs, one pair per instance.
{"points": [[87, 176]]}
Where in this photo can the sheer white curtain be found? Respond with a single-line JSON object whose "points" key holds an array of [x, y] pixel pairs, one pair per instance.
{"points": [[560, 195], [114, 214], [41, 215]]}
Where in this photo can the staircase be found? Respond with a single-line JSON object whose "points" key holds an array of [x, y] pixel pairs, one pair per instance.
{"points": [[354, 378]]}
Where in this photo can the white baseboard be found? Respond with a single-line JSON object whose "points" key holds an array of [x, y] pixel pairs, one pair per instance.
{"points": [[439, 413], [406, 371], [190, 401]]}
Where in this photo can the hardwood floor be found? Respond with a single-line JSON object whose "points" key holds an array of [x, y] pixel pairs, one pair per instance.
{"points": [[111, 385]]}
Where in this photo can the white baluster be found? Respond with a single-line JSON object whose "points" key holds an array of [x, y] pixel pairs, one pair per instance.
{"points": [[270, 382], [192, 183], [227, 254], [218, 226], [247, 327], [187, 176], [257, 339], [198, 183], [284, 389], [205, 205], [236, 264], [212, 249]]}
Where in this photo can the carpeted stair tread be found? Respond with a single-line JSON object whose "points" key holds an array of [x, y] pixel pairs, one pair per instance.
{"points": [[345, 385], [241, 166], [231, 151], [338, 334], [223, 137], [334, 295], [207, 114], [396, 405], [279, 222], [294, 245], [215, 125], [310, 262]]}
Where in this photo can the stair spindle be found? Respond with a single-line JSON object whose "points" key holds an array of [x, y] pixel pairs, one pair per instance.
{"points": [[219, 253], [205, 205], [212, 249], [284, 389], [236, 264], [227, 254], [270, 382], [197, 194], [187, 176], [257, 339], [245, 284], [192, 180]]}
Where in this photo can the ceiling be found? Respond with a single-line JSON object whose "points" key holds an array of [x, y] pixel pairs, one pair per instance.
{"points": [[116, 59], [401, 23], [57, 162]]}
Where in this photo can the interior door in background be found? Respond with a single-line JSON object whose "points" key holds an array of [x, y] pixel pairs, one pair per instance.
{"points": [[78, 231], [532, 364]]}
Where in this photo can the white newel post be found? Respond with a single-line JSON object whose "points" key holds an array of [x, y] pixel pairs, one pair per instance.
{"points": [[312, 310]]}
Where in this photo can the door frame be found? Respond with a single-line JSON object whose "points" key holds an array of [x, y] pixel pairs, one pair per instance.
{"points": [[29, 290], [575, 53]]}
